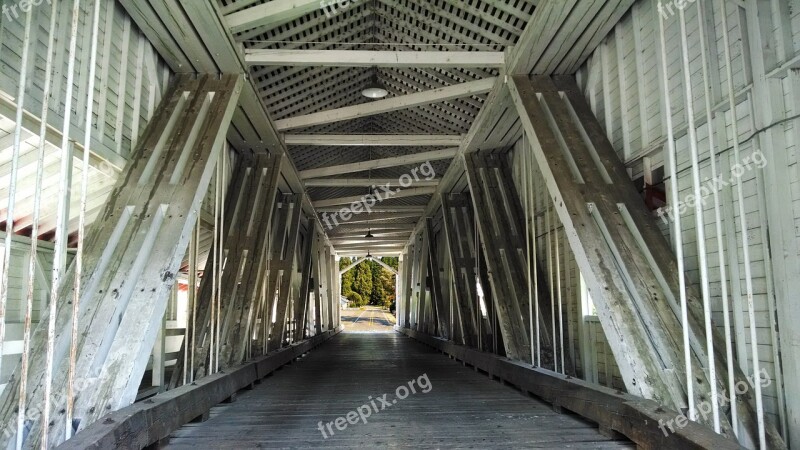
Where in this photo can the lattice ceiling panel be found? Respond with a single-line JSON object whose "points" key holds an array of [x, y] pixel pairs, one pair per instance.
{"points": [[397, 25]]}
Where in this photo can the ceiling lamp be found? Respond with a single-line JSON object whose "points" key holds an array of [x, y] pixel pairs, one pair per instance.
{"points": [[375, 89], [369, 234]]}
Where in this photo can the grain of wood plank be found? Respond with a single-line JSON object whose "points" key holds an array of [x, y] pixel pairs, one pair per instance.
{"points": [[463, 408]]}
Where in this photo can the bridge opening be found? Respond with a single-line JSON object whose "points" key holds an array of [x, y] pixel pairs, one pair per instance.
{"points": [[583, 215]]}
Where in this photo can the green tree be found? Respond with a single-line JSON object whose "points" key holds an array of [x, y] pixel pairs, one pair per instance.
{"points": [[378, 294], [348, 277], [363, 280]]}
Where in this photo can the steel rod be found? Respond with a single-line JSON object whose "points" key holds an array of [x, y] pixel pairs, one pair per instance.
{"points": [[62, 234], [548, 225], [723, 276], [745, 238], [87, 143], [559, 294], [677, 232], [26, 339], [702, 253]]}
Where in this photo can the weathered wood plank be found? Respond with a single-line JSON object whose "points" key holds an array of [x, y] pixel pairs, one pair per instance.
{"points": [[145, 423], [633, 417], [132, 254]]}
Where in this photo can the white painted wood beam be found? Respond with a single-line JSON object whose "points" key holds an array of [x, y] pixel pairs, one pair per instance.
{"points": [[376, 58], [404, 193], [372, 245], [270, 14], [379, 253], [378, 209], [388, 105], [101, 154], [379, 228], [416, 158], [384, 140], [371, 220], [375, 232], [363, 182], [367, 242]]}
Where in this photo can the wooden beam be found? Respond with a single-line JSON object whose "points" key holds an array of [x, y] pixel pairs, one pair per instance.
{"points": [[377, 234], [383, 140], [384, 265], [414, 158], [364, 182], [500, 224], [377, 209], [144, 423], [628, 265], [378, 252], [131, 262], [392, 104], [373, 58], [374, 218], [361, 199], [102, 154], [270, 14], [246, 266], [548, 39], [347, 228], [367, 242], [632, 416], [440, 307], [282, 262]]}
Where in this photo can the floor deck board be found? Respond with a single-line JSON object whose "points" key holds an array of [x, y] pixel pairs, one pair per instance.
{"points": [[462, 408]]}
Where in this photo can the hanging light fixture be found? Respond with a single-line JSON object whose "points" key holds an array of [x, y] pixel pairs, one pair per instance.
{"points": [[375, 89]]}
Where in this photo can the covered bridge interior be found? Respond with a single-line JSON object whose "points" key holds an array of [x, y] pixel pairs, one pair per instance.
{"points": [[587, 209]]}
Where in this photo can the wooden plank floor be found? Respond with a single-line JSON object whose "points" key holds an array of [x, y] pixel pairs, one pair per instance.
{"points": [[462, 408]]}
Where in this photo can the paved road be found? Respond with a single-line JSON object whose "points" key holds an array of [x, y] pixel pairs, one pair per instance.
{"points": [[370, 319], [451, 406]]}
